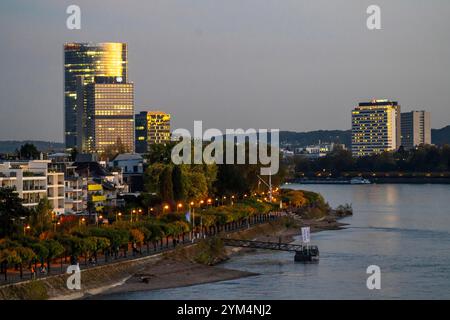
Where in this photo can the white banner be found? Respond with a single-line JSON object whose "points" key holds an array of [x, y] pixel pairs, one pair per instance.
{"points": [[305, 234]]}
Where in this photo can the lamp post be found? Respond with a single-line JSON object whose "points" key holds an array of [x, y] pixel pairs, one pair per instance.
{"points": [[179, 206], [166, 207], [132, 212], [191, 208], [118, 215]]}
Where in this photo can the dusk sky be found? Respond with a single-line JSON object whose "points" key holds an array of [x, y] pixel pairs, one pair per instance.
{"points": [[296, 65]]}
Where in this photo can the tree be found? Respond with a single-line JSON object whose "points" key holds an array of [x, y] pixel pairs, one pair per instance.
{"points": [[28, 151], [160, 153], [166, 185], [113, 150], [11, 212], [41, 217], [178, 184], [55, 250]]}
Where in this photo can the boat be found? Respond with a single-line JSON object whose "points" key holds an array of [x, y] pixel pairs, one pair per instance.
{"points": [[307, 254], [359, 180]]}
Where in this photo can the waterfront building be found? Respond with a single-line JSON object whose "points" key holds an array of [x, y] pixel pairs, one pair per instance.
{"points": [[33, 181], [75, 186], [416, 129], [375, 127], [88, 60], [152, 127], [105, 117]]}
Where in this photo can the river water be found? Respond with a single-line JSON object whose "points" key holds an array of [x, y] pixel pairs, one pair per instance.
{"points": [[404, 229]]}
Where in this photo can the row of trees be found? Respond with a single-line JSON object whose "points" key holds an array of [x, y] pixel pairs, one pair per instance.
{"points": [[42, 244], [173, 183], [425, 158]]}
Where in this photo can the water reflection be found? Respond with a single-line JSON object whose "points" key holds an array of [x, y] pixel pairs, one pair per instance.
{"points": [[405, 229]]}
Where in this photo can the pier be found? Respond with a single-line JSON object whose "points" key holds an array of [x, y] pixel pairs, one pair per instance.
{"points": [[262, 245]]}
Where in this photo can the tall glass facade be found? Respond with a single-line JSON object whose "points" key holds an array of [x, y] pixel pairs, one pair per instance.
{"points": [[88, 60]]}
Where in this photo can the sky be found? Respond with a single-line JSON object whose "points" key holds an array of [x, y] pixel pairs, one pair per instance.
{"points": [[296, 65]]}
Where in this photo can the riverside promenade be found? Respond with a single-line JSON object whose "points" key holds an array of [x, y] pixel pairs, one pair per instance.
{"points": [[165, 244]]}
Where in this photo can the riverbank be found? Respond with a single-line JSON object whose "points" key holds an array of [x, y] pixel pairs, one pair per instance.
{"points": [[188, 264], [177, 269]]}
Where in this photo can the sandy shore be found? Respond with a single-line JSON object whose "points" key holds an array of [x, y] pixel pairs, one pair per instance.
{"points": [[170, 272]]}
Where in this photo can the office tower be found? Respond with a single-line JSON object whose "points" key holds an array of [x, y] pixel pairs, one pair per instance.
{"points": [[375, 127], [416, 129], [152, 127], [88, 60], [105, 115]]}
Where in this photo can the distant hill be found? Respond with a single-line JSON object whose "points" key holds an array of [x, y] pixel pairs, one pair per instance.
{"points": [[440, 136], [44, 146], [313, 137]]}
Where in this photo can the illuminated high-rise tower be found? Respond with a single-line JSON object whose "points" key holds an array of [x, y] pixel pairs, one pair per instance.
{"points": [[152, 127], [375, 127], [105, 115], [88, 60]]}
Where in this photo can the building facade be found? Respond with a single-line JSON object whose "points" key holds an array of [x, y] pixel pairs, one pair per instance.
{"points": [[132, 169], [416, 129], [105, 114], [152, 127], [375, 127], [34, 181], [88, 60]]}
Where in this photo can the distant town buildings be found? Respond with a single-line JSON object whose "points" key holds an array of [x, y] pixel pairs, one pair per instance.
{"points": [[88, 60], [319, 150], [152, 127], [375, 127], [105, 114], [415, 129]]}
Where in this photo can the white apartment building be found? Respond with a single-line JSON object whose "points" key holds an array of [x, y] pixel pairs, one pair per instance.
{"points": [[33, 181]]}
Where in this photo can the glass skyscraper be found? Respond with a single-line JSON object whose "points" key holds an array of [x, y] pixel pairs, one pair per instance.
{"points": [[88, 60]]}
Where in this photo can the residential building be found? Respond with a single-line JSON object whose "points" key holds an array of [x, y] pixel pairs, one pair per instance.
{"points": [[416, 129], [375, 127], [132, 168], [88, 60], [102, 186], [75, 186], [152, 127], [105, 116], [33, 181]]}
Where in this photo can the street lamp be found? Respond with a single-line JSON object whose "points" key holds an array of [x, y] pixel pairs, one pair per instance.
{"points": [[191, 208], [179, 206], [166, 207]]}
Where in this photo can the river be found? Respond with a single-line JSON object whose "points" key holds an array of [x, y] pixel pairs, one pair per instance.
{"points": [[404, 229]]}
